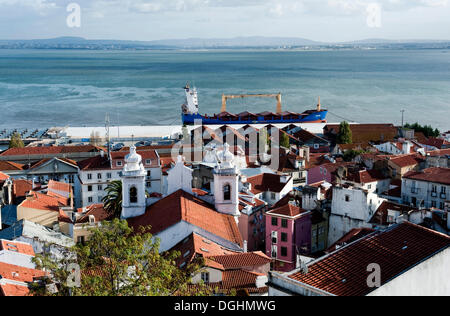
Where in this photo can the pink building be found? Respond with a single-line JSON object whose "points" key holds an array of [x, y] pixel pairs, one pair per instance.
{"points": [[288, 234]]}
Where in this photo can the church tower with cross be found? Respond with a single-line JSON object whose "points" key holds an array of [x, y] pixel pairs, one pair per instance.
{"points": [[133, 186]]}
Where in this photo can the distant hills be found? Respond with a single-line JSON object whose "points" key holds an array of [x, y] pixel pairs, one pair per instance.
{"points": [[224, 43]]}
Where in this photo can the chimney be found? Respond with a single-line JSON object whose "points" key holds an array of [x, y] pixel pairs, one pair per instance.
{"points": [[245, 246], [406, 148]]}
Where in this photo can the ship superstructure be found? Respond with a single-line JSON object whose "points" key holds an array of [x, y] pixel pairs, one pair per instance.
{"points": [[191, 116]]}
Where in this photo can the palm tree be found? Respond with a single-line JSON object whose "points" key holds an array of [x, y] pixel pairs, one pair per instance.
{"points": [[112, 202]]}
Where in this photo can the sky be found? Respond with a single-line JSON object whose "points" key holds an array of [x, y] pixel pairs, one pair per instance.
{"points": [[320, 20]]}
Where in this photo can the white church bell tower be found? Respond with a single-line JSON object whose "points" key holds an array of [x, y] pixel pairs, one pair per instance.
{"points": [[226, 187], [133, 186]]}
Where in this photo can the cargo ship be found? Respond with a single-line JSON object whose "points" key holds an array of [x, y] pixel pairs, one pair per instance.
{"points": [[191, 116]]}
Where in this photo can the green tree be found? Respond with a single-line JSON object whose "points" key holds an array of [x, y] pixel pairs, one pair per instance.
{"points": [[16, 141], [112, 202], [285, 141], [345, 134], [116, 261], [427, 130]]}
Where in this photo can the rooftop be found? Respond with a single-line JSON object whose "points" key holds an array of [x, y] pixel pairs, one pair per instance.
{"points": [[396, 249], [182, 206], [266, 182], [436, 175], [30, 151]]}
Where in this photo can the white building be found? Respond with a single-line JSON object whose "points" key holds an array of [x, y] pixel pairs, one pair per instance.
{"points": [[403, 260], [429, 188], [97, 172], [351, 208]]}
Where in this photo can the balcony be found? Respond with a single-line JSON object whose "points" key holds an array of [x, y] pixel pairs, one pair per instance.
{"points": [[433, 194]]}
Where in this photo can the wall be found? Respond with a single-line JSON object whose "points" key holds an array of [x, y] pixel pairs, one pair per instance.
{"points": [[303, 233], [355, 213], [45, 218], [430, 278], [290, 259], [318, 174]]}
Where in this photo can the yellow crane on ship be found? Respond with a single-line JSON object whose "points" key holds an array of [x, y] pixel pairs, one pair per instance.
{"points": [[225, 98]]}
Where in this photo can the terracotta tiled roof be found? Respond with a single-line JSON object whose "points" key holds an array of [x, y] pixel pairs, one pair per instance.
{"points": [[59, 186], [366, 176], [304, 136], [96, 210], [351, 236], [44, 161], [396, 250], [9, 289], [241, 260], [363, 133], [19, 274], [44, 202], [437, 153], [406, 160], [3, 177], [199, 192], [22, 187], [239, 280], [436, 142], [10, 166], [18, 247], [287, 210], [30, 151], [381, 215], [182, 206], [266, 182], [437, 175]]}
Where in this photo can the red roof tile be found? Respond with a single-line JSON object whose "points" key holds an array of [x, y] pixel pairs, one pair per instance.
{"points": [[437, 175], [10, 166], [3, 177], [437, 142], [19, 274], [22, 187], [18, 247], [241, 260], [9, 289], [366, 176], [396, 250], [266, 182], [353, 235], [182, 206], [96, 210], [30, 151], [44, 202], [287, 210], [59, 186], [406, 160]]}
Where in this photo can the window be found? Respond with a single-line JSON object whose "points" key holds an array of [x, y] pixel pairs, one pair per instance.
{"points": [[434, 188], [148, 162], [443, 190], [369, 186], [80, 240], [227, 193], [274, 221], [100, 187], [284, 237], [71, 178], [433, 204], [441, 205], [133, 195], [284, 223], [109, 175], [205, 277], [89, 176], [149, 174], [89, 188], [99, 176], [90, 199], [273, 196], [347, 198], [274, 251], [274, 237], [119, 163], [148, 184], [284, 252]]}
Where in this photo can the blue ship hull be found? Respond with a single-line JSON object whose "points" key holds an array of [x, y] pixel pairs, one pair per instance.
{"points": [[315, 117]]}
